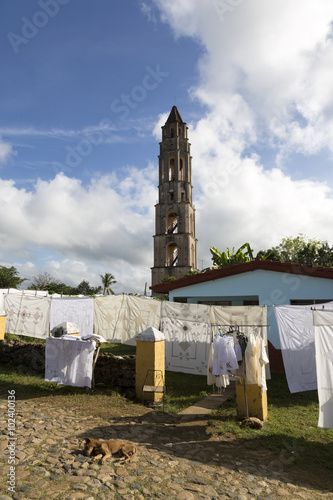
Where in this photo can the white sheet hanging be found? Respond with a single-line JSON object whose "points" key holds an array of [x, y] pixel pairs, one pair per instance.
{"points": [[3, 291], [74, 310], [323, 329], [239, 315], [27, 315], [140, 314], [109, 317], [187, 336], [120, 318], [296, 332], [69, 362]]}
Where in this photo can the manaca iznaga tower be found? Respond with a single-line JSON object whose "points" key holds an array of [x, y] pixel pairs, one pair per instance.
{"points": [[175, 244]]}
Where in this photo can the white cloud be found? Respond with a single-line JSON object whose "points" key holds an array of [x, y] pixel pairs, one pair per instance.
{"points": [[265, 79], [6, 151], [87, 230]]}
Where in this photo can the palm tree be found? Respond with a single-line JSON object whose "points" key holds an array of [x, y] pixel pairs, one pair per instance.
{"points": [[108, 280]]}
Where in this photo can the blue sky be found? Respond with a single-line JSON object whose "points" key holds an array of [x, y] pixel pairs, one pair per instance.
{"points": [[84, 89]]}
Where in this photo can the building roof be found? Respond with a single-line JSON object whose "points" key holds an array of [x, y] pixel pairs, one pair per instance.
{"points": [[245, 267], [174, 116]]}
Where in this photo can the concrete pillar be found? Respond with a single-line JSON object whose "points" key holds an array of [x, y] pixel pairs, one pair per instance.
{"points": [[150, 365], [253, 397]]}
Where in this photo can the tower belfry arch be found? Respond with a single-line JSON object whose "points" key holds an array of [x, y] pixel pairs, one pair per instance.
{"points": [[175, 244]]}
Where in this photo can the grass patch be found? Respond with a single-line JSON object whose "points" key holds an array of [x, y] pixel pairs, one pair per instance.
{"points": [[118, 349], [106, 347], [183, 390], [290, 432]]}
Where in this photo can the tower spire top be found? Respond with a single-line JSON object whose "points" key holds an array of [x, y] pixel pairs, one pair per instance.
{"points": [[174, 116]]}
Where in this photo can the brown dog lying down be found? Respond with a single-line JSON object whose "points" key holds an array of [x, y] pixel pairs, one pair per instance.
{"points": [[106, 449]]}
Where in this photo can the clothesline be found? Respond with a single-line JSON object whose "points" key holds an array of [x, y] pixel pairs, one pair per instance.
{"points": [[219, 325]]}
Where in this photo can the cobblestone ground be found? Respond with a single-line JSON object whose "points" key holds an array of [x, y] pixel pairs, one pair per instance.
{"points": [[176, 460]]}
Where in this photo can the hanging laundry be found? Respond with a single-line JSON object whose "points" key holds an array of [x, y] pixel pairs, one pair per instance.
{"points": [[69, 362], [296, 332], [263, 359], [187, 336], [256, 359], [252, 360], [27, 315], [323, 329], [73, 310]]}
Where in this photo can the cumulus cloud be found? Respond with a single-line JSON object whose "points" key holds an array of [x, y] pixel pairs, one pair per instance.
{"points": [[92, 229], [265, 80]]}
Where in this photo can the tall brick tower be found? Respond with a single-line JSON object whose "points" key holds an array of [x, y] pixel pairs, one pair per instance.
{"points": [[175, 244]]}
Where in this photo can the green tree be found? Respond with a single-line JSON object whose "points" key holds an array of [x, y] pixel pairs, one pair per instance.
{"points": [[9, 277], [192, 272], [43, 281], [301, 250], [227, 258], [107, 280], [168, 278], [271, 254], [84, 288]]}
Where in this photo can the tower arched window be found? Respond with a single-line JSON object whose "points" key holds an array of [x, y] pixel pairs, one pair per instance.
{"points": [[181, 169], [172, 132], [162, 170], [172, 169], [172, 223], [172, 255]]}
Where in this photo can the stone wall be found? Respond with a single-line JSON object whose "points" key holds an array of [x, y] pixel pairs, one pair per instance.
{"points": [[114, 371]]}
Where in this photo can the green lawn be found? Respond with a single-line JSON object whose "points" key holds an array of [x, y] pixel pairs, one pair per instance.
{"points": [[291, 430]]}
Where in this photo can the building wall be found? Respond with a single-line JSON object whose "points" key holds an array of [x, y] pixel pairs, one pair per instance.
{"points": [[271, 288]]}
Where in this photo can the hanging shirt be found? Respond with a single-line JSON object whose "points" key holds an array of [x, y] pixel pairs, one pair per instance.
{"points": [[224, 357], [227, 353], [252, 360], [263, 360], [238, 352]]}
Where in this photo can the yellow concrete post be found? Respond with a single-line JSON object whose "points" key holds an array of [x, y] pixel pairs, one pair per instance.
{"points": [[2, 327], [150, 365], [255, 399]]}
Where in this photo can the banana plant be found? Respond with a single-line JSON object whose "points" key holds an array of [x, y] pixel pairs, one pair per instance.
{"points": [[227, 258]]}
